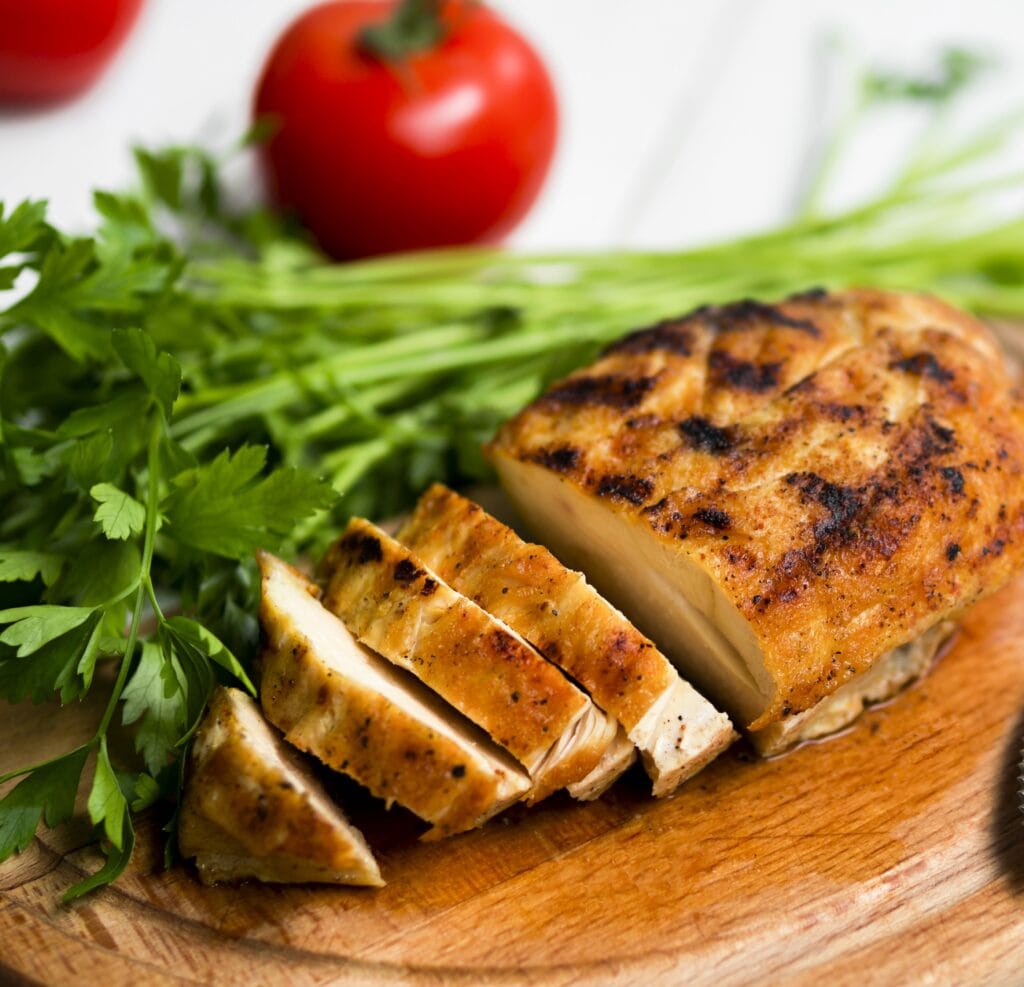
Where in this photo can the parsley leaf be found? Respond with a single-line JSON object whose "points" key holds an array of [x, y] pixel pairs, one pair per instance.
{"points": [[54, 666], [125, 225], [32, 627], [20, 229], [159, 371], [118, 856], [47, 793], [162, 174], [155, 698], [119, 515], [90, 459], [53, 304], [197, 678], [957, 70], [128, 405], [144, 789], [222, 508], [101, 571], [191, 635], [107, 803], [23, 565]]}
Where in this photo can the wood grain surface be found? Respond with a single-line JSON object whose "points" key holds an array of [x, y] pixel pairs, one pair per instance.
{"points": [[891, 854]]}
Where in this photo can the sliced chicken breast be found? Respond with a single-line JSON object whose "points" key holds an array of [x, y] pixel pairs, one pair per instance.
{"points": [[362, 716], [675, 729], [395, 604], [782, 496], [618, 758], [251, 808]]}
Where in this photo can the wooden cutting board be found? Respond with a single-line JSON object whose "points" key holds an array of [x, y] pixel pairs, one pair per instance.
{"points": [[891, 854]]}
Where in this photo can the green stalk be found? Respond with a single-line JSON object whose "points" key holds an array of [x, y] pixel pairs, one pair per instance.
{"points": [[148, 541], [28, 769], [238, 401]]}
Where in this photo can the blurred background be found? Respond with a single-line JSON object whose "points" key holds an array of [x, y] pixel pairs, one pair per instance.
{"points": [[681, 122]]}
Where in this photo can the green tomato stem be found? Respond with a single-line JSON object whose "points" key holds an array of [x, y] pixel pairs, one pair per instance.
{"points": [[414, 26]]}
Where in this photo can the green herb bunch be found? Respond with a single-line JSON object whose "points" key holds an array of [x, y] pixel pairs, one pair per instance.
{"points": [[193, 382], [105, 513]]}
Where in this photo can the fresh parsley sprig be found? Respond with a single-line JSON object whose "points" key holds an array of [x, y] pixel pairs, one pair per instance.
{"points": [[71, 508]]}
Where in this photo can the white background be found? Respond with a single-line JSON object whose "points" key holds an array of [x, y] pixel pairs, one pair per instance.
{"points": [[682, 121]]}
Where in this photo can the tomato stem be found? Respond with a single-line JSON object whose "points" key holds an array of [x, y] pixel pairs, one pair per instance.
{"points": [[414, 26]]}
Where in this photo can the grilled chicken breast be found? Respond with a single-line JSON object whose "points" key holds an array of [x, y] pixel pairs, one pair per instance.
{"points": [[618, 757], [783, 496], [675, 729], [394, 603], [362, 716], [252, 809]]}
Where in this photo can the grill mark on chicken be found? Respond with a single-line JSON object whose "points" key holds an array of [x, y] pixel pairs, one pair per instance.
{"points": [[561, 459], [924, 444], [607, 390], [706, 437], [743, 375], [923, 365], [954, 478], [365, 547], [945, 436], [844, 412], [747, 313], [634, 489], [406, 572], [841, 506], [506, 647], [815, 294], [865, 515], [713, 518], [669, 336]]}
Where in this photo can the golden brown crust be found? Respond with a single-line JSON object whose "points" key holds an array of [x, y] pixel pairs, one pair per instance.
{"points": [[551, 606], [890, 673], [352, 727], [251, 809], [846, 468], [392, 602]]}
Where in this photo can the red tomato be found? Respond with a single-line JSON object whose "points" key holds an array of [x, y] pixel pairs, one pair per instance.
{"points": [[447, 145], [53, 49]]}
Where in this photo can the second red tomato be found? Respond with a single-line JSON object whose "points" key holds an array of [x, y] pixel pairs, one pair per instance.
{"points": [[445, 145], [54, 49]]}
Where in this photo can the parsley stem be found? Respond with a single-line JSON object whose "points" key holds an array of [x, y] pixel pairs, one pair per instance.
{"points": [[18, 772], [153, 602], [347, 465], [148, 541], [433, 355]]}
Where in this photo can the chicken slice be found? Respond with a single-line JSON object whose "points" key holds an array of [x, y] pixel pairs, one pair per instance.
{"points": [[252, 809], [675, 729], [362, 716], [395, 604], [618, 757]]}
